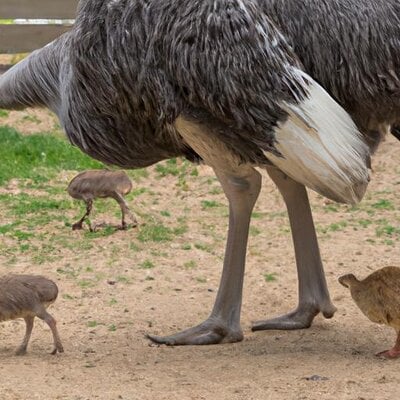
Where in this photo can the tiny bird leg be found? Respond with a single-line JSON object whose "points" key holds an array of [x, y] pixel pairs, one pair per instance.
{"points": [[394, 352], [51, 322], [29, 326], [124, 210], [78, 225]]}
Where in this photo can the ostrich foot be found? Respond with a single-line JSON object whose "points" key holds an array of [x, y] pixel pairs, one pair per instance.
{"points": [[20, 351], [390, 354], [77, 226], [301, 318], [208, 332], [57, 349]]}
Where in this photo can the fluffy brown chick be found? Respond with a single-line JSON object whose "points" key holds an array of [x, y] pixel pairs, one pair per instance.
{"points": [[378, 297]]}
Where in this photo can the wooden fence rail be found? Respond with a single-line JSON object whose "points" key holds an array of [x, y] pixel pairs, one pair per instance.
{"points": [[21, 38]]}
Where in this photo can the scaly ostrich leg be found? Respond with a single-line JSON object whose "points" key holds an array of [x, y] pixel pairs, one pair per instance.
{"points": [[223, 325], [313, 290]]}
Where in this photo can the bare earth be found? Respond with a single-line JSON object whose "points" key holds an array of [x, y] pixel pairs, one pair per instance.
{"points": [[121, 288]]}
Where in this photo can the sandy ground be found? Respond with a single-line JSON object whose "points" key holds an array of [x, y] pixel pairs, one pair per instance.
{"points": [[103, 324]]}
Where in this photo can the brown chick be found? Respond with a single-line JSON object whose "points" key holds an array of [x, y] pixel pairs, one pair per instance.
{"points": [[378, 297]]}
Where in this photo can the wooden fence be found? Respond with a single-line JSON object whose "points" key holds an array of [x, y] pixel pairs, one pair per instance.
{"points": [[22, 38]]}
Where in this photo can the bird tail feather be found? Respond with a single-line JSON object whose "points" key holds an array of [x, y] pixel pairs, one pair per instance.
{"points": [[322, 148]]}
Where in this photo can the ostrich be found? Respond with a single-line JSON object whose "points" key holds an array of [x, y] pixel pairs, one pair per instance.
{"points": [[353, 49], [27, 297], [135, 82], [92, 184]]}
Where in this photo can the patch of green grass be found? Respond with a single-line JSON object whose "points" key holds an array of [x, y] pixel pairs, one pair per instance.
{"points": [[69, 271], [21, 235], [112, 328], [122, 279], [4, 113], [92, 324], [337, 226], [331, 208], [165, 213], [270, 277], [190, 264], [194, 172], [365, 222], [38, 157], [8, 227], [85, 283], [134, 247], [209, 204], [383, 204], [215, 190], [256, 215], [138, 191], [147, 264], [31, 118], [203, 246], [103, 232], [168, 167], [186, 246], [180, 230], [138, 174], [155, 233], [387, 230], [254, 231], [334, 227], [23, 204], [24, 247]]}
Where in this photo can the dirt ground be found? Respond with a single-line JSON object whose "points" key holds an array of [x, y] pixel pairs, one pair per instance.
{"points": [[103, 324]]}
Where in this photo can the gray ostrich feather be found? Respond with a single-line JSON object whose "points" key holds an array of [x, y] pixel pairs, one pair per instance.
{"points": [[352, 48], [127, 69]]}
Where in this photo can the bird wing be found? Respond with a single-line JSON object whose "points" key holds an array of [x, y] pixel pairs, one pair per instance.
{"points": [[228, 58]]}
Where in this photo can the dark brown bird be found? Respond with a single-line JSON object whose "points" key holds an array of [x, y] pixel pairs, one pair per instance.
{"points": [[378, 297], [27, 297], [89, 185]]}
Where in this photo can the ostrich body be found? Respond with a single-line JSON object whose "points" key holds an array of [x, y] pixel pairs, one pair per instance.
{"points": [[135, 82], [378, 297], [89, 185], [28, 296], [352, 49]]}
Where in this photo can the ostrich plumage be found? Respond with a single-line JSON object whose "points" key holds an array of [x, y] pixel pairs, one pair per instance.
{"points": [[135, 82], [352, 49]]}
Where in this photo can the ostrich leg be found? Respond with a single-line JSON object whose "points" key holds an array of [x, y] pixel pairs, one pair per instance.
{"points": [[313, 290], [223, 325]]}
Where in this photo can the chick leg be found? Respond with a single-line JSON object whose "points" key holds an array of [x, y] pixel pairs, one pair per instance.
{"points": [[51, 322], [223, 325], [29, 326], [313, 290], [394, 352], [78, 225], [124, 210]]}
